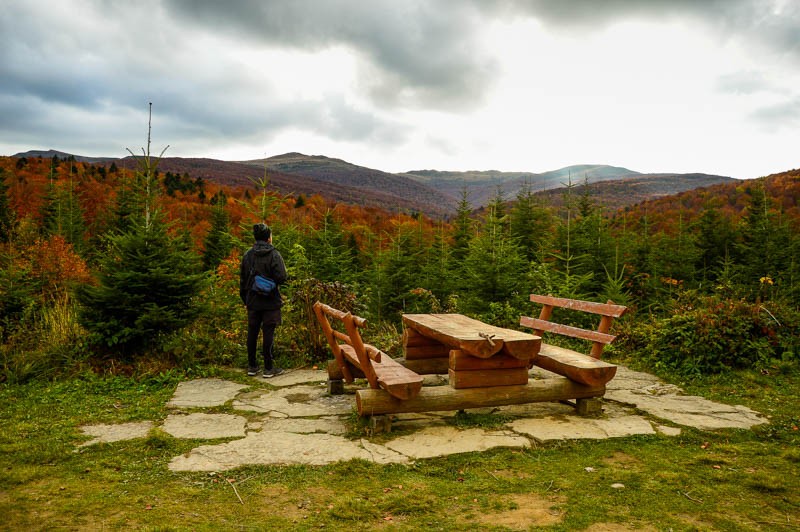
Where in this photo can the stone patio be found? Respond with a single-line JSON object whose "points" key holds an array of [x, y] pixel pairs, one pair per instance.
{"points": [[295, 421]]}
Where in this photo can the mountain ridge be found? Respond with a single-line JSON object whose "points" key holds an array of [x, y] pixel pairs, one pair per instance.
{"points": [[432, 192]]}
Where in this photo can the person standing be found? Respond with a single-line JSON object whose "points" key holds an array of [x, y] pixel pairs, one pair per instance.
{"points": [[263, 311]]}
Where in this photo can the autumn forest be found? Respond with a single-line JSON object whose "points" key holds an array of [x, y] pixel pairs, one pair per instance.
{"points": [[128, 268]]}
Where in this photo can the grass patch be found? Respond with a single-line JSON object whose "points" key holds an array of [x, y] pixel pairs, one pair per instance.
{"points": [[726, 480]]}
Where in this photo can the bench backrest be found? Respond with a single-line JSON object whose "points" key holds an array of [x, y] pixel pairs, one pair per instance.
{"points": [[351, 337], [599, 338]]}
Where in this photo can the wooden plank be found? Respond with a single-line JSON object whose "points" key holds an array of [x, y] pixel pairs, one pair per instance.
{"points": [[414, 338], [460, 361], [605, 309], [576, 366], [335, 371], [483, 378], [565, 330], [339, 315], [350, 324], [472, 336], [397, 380], [328, 331], [427, 366], [439, 398], [522, 345], [456, 331], [426, 351]]}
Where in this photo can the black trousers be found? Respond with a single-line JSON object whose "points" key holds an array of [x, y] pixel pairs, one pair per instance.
{"points": [[258, 321]]}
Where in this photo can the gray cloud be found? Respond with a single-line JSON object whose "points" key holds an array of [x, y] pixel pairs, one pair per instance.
{"points": [[124, 57], [745, 82], [421, 53], [774, 24], [778, 116]]}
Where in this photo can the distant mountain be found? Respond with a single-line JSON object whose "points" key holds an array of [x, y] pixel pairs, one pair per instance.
{"points": [[732, 197], [249, 174], [432, 192], [482, 186], [395, 188], [49, 154], [627, 191]]}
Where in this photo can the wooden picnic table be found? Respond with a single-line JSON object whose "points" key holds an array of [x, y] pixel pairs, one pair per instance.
{"points": [[474, 337]]}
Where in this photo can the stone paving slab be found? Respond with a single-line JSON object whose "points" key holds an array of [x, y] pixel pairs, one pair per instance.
{"points": [[269, 447], [434, 441], [293, 377], [574, 427], [327, 425], [293, 420], [118, 432], [296, 401], [689, 410], [203, 393], [206, 426]]}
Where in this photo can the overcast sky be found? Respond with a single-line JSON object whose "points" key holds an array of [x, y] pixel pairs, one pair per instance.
{"points": [[530, 85]]}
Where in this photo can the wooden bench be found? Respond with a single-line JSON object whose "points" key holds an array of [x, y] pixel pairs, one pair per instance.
{"points": [[395, 389], [579, 367], [380, 370]]}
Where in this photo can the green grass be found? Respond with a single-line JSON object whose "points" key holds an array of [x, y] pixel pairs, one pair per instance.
{"points": [[726, 480]]}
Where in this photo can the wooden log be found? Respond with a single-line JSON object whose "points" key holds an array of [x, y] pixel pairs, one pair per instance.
{"points": [[427, 366], [459, 361], [335, 371], [457, 332], [483, 378], [419, 352], [605, 309], [540, 325], [363, 359], [438, 398], [340, 315], [319, 311], [521, 345], [578, 367], [414, 338]]}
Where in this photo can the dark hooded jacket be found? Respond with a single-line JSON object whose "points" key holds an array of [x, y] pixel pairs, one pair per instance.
{"points": [[265, 260]]}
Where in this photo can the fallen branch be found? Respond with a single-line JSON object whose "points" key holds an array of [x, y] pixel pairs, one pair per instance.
{"points": [[698, 501], [235, 491], [494, 477]]}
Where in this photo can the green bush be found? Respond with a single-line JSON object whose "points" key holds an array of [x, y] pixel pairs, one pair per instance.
{"points": [[300, 333], [705, 335]]}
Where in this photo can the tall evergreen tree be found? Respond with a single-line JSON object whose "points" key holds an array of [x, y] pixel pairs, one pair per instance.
{"points": [[147, 285], [148, 280], [218, 242], [462, 228], [715, 241], [7, 215], [766, 244], [62, 213], [329, 253], [494, 267]]}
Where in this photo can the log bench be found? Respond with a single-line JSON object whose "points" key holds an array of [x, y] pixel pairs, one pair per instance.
{"points": [[584, 368], [380, 370], [394, 388]]}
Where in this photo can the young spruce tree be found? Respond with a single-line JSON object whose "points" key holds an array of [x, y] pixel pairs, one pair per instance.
{"points": [[148, 280]]}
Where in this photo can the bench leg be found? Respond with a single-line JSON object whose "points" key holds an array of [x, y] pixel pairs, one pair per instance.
{"points": [[589, 407], [380, 424], [335, 386]]}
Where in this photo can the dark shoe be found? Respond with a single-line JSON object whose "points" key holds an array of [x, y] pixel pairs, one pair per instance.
{"points": [[252, 371], [272, 372]]}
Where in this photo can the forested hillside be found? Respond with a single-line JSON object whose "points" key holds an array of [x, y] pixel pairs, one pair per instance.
{"points": [[336, 173], [91, 255], [628, 191]]}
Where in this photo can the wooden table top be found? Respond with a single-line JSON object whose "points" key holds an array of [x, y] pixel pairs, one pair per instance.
{"points": [[473, 336]]}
